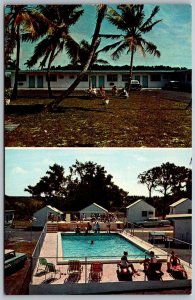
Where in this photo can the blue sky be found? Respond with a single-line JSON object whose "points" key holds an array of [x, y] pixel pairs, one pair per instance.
{"points": [[172, 37], [25, 167]]}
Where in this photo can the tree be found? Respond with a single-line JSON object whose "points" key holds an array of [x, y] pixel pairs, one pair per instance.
{"points": [[51, 187], [57, 21], [94, 44], [131, 20], [167, 180], [83, 54], [19, 19]]}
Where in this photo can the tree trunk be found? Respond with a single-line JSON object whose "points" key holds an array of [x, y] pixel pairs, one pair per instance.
{"points": [[15, 89], [48, 73], [94, 45], [130, 71]]}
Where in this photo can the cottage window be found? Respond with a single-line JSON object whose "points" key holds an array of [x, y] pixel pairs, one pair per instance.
{"points": [[155, 77], [125, 77], [53, 77], [85, 78], [21, 77], [144, 213], [150, 212], [112, 77], [189, 211]]}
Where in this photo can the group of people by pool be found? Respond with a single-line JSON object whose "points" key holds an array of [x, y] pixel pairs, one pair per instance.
{"points": [[95, 227], [150, 262]]}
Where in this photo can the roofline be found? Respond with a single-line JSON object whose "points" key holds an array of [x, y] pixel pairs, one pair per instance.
{"points": [[176, 203], [179, 216]]}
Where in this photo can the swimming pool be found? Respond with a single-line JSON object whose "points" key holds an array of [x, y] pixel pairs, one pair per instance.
{"points": [[105, 246]]}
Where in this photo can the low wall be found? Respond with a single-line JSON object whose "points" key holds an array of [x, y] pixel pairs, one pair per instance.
{"points": [[64, 226], [105, 288]]}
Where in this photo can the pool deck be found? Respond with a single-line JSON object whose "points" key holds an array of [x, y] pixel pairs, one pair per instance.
{"points": [[49, 251]]}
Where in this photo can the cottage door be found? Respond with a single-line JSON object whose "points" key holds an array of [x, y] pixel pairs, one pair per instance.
{"points": [[40, 81], [101, 81], [31, 81], [145, 81]]}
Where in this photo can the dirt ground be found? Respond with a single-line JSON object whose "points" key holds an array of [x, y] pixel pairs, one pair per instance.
{"points": [[149, 118]]}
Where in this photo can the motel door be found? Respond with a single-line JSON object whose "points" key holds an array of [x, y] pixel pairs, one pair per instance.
{"points": [[93, 81], [137, 77], [101, 81], [40, 81], [31, 81], [145, 81]]}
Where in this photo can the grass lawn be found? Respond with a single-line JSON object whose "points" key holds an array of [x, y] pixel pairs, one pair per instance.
{"points": [[150, 118]]}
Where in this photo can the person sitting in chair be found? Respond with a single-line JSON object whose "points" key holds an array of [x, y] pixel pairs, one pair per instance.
{"points": [[125, 263], [174, 260]]}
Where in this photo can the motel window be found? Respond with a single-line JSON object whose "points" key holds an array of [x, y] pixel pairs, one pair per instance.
{"points": [[85, 78], [53, 77], [125, 77], [155, 77], [112, 77], [21, 77], [61, 76], [20, 83], [144, 213]]}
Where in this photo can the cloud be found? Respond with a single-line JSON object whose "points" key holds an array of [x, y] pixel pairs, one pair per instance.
{"points": [[19, 170]]}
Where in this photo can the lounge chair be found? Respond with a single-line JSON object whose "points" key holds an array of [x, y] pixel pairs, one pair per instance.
{"points": [[42, 264], [96, 271], [50, 268], [178, 272], [154, 271], [74, 267]]}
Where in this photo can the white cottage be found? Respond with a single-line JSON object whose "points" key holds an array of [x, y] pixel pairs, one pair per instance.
{"points": [[139, 210], [41, 216], [182, 206], [62, 79], [92, 209], [182, 224]]}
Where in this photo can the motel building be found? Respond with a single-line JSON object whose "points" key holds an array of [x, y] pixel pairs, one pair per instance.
{"points": [[62, 79]]}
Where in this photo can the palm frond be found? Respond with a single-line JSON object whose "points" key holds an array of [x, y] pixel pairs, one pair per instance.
{"points": [[111, 36], [117, 53], [149, 27], [110, 47]]}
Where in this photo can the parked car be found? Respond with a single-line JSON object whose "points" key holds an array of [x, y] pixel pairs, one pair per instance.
{"points": [[135, 85], [13, 260], [153, 222], [173, 85]]}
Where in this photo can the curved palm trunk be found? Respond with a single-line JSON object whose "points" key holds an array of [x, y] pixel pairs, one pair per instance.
{"points": [[15, 89], [131, 71], [94, 45], [48, 73]]}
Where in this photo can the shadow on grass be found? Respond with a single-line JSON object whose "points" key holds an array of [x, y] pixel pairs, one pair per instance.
{"points": [[24, 109], [64, 109]]}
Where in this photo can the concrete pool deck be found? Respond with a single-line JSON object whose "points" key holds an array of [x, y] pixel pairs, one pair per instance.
{"points": [[49, 251]]}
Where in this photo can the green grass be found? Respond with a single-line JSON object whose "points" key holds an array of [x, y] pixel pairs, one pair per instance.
{"points": [[147, 119]]}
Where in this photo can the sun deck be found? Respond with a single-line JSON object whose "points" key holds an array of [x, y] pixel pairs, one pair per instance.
{"points": [[49, 251]]}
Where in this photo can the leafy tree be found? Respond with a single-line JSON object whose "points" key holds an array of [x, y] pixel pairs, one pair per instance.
{"points": [[167, 179], [57, 20], [51, 187], [131, 20], [18, 19]]}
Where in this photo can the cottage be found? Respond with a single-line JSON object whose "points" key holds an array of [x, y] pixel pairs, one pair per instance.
{"points": [[62, 79], [182, 206], [93, 209], [140, 210], [182, 224], [41, 216]]}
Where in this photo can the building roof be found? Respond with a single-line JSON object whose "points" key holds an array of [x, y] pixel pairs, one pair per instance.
{"points": [[178, 202], [134, 203], [179, 216], [95, 205], [55, 209]]}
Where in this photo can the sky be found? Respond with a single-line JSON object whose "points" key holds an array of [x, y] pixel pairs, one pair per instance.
{"points": [[172, 36], [25, 167]]}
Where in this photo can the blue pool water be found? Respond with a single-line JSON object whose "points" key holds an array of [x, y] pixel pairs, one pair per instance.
{"points": [[105, 246]]}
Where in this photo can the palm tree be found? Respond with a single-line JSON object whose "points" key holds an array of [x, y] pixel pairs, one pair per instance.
{"points": [[84, 50], [57, 19], [18, 19], [101, 11], [131, 20]]}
